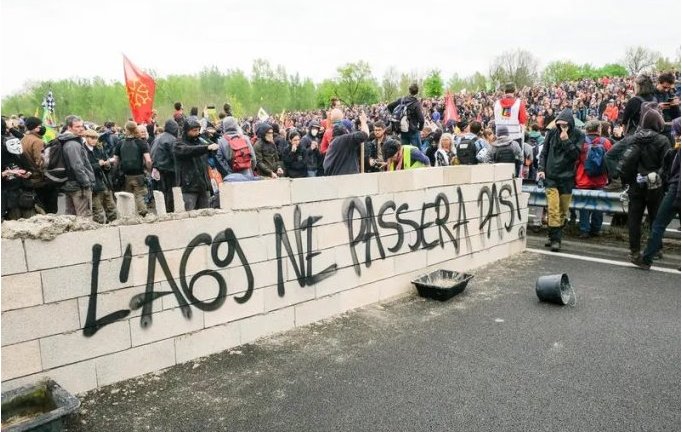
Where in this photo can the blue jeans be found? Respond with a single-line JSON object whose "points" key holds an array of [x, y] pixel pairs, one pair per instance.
{"points": [[666, 211], [591, 221], [411, 138]]}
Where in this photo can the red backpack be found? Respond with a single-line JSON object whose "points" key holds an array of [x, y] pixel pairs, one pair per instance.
{"points": [[241, 156]]}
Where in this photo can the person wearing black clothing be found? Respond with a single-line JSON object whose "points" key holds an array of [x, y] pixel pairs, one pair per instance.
{"points": [[415, 116], [163, 161], [294, 157], [18, 197], [311, 145], [644, 90], [374, 157], [132, 156], [646, 189], [191, 156], [280, 141], [665, 95], [103, 205], [344, 151]]}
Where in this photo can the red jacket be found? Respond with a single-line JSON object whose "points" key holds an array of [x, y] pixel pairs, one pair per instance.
{"points": [[611, 113], [326, 140], [582, 180], [507, 102]]}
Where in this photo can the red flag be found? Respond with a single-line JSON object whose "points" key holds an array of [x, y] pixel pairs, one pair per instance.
{"points": [[140, 87], [450, 110]]}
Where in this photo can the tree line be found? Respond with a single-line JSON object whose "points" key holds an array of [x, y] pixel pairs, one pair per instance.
{"points": [[276, 90]]}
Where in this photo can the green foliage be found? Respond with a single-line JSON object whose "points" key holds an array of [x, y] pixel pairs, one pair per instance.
{"points": [[559, 71], [519, 67], [433, 85]]}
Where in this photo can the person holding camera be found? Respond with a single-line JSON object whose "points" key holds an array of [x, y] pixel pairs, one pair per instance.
{"points": [[556, 169]]}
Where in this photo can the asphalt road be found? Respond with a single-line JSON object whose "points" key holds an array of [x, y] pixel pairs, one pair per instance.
{"points": [[493, 358]]}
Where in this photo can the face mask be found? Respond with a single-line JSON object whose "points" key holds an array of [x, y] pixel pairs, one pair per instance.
{"points": [[313, 132], [13, 146], [42, 131]]}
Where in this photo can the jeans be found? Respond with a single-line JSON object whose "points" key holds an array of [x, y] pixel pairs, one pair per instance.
{"points": [[591, 221], [195, 200], [641, 198], [165, 185], [667, 209], [413, 138]]}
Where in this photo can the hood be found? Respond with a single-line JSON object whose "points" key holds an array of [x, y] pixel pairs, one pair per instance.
{"points": [[339, 129], [230, 125], [191, 123], [507, 101], [501, 141], [409, 100], [651, 120], [171, 126], [534, 134], [262, 129], [68, 136], [567, 116], [646, 136]]}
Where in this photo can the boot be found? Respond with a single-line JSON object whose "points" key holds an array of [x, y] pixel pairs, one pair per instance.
{"points": [[555, 239]]}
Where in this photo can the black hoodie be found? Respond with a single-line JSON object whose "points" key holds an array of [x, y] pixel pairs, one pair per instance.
{"points": [[558, 158], [191, 156], [415, 115], [162, 148]]}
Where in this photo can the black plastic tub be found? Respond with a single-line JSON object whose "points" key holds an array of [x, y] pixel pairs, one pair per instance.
{"points": [[39, 407], [442, 284]]}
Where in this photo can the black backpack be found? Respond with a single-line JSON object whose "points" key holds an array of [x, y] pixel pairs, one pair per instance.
{"points": [[627, 166], [55, 172], [504, 154], [131, 159], [466, 151]]}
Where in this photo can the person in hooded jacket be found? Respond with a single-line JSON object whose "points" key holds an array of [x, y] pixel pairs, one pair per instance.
{"points": [[163, 162], [644, 92], [503, 149], [313, 157], [556, 168], [17, 191], [645, 188], [80, 177], [103, 204], [228, 167], [294, 157], [191, 155], [268, 162]]}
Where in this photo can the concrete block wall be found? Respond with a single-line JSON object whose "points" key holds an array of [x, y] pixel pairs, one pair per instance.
{"points": [[168, 292]]}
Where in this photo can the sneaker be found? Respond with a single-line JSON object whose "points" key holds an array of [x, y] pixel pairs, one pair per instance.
{"points": [[548, 243], [658, 255], [555, 246], [639, 262], [583, 235]]}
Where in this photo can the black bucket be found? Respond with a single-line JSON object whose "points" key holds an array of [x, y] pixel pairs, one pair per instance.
{"points": [[555, 289]]}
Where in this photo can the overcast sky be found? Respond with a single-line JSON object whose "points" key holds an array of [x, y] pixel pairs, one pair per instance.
{"points": [[55, 39]]}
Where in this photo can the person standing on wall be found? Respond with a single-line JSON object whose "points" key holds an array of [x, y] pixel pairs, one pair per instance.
{"points": [[510, 112], [410, 133], [556, 169], [133, 158]]}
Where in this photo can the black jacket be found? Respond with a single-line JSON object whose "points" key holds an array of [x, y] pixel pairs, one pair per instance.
{"points": [[101, 180], [632, 111], [191, 156], [163, 158], [414, 112], [558, 158], [653, 147], [294, 162], [313, 158]]}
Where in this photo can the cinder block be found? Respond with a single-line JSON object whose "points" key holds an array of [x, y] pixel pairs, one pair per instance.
{"points": [[259, 326], [76, 378], [39, 321], [456, 175], [426, 178], [344, 279], [329, 211], [108, 302], [318, 309], [351, 186], [232, 311], [166, 324], [125, 204], [13, 258], [71, 248], [412, 261], [69, 282], [504, 171], [244, 223], [178, 202], [360, 296], [73, 347], [206, 342], [266, 222], [20, 359], [395, 287], [134, 362], [173, 234], [21, 290], [314, 189], [396, 181], [256, 194], [438, 255], [159, 203], [293, 294], [197, 261], [482, 173]]}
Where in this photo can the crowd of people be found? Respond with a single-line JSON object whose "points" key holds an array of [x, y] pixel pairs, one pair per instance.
{"points": [[570, 135]]}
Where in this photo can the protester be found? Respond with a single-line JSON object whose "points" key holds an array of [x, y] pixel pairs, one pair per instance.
{"points": [[133, 157], [80, 177], [236, 158], [344, 151], [163, 162], [18, 199], [503, 149], [414, 114], [644, 89], [510, 112], [268, 162], [404, 157], [294, 157], [310, 144], [103, 205], [191, 156], [444, 155], [374, 157]]}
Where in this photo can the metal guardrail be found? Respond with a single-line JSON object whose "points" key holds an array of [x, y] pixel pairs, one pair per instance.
{"points": [[583, 199]]}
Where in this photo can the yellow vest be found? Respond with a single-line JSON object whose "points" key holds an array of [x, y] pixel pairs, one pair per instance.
{"points": [[407, 159]]}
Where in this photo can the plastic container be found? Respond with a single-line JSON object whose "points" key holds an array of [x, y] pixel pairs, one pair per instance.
{"points": [[441, 284], [555, 289], [37, 407]]}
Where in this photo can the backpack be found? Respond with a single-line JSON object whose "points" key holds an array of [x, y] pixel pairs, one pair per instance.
{"points": [[241, 156], [399, 116], [627, 166], [505, 154], [594, 161], [55, 166], [466, 151], [131, 159]]}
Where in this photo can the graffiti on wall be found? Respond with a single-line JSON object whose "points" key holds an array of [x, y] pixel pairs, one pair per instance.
{"points": [[364, 224]]}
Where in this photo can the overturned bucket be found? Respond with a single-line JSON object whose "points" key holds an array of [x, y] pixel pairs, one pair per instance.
{"points": [[555, 289]]}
